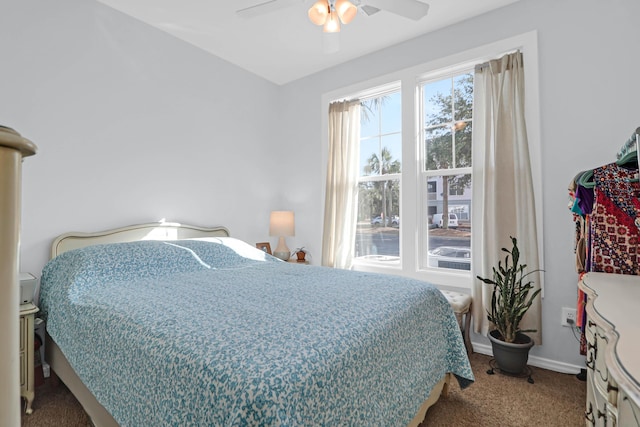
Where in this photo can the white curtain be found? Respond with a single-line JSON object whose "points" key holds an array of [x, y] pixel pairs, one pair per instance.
{"points": [[341, 200], [502, 183]]}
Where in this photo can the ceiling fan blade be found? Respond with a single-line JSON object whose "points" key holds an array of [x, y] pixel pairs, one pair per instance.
{"points": [[412, 9], [264, 8], [369, 10]]}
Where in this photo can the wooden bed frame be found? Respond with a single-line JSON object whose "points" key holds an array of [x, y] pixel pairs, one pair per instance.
{"points": [[60, 367]]}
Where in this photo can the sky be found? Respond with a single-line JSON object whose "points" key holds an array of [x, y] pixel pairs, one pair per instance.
{"points": [[384, 127]]}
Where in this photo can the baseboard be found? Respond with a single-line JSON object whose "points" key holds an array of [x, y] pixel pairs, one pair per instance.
{"points": [[539, 362]]}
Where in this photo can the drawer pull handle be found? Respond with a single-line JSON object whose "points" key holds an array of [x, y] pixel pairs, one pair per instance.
{"points": [[605, 377], [591, 324], [591, 364], [611, 388], [602, 415], [589, 415]]}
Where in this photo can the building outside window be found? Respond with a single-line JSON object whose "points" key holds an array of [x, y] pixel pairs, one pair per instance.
{"points": [[446, 117], [377, 235]]}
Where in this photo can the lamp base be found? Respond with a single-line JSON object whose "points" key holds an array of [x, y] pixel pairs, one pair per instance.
{"points": [[282, 251], [282, 255]]}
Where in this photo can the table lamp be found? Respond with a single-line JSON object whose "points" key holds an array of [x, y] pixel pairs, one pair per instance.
{"points": [[282, 224]]}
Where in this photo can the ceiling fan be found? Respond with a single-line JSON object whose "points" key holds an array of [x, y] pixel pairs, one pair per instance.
{"points": [[345, 9], [330, 13]]}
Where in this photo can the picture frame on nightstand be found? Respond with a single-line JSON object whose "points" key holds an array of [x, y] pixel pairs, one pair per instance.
{"points": [[265, 247]]}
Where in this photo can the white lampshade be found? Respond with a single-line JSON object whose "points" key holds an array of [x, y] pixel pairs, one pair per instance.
{"points": [[346, 10], [318, 12], [332, 25], [281, 224]]}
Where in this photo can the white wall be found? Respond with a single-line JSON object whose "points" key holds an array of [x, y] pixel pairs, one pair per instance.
{"points": [[588, 81], [132, 126]]}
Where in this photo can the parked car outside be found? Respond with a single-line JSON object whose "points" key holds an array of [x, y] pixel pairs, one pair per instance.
{"points": [[378, 220], [395, 221], [454, 257], [438, 220]]}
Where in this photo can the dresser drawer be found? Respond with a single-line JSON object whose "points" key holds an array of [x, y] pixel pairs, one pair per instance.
{"points": [[597, 346], [592, 346], [23, 341], [27, 312], [601, 374], [611, 332], [628, 412], [23, 369]]}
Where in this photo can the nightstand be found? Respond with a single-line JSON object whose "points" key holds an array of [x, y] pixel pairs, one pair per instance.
{"points": [[295, 261], [27, 312]]}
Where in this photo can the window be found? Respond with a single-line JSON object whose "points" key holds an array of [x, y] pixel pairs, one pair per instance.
{"points": [[432, 188], [457, 188], [446, 124], [377, 233], [432, 147], [447, 106]]}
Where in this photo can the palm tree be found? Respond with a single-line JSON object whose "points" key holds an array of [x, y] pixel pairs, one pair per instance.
{"points": [[371, 106], [383, 165]]}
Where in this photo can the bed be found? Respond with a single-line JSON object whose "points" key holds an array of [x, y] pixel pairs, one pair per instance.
{"points": [[169, 324]]}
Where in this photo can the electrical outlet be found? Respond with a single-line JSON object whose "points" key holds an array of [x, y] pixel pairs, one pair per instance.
{"points": [[568, 317]]}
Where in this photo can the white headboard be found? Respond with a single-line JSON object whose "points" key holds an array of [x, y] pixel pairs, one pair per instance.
{"points": [[132, 233]]}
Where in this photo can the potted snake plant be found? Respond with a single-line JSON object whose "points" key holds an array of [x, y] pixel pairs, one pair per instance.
{"points": [[512, 297]]}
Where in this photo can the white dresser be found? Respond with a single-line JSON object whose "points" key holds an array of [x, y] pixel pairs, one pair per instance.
{"points": [[13, 148], [27, 390], [613, 349]]}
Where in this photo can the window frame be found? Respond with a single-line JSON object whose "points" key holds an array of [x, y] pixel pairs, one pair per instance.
{"points": [[411, 186], [371, 94], [424, 173]]}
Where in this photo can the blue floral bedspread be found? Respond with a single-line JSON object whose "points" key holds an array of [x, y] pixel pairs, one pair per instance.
{"points": [[213, 332]]}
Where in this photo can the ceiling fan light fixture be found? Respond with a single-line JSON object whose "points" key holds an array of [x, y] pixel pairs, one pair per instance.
{"points": [[346, 10], [332, 25], [319, 12]]}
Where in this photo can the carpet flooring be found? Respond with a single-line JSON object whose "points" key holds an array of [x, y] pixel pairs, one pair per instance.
{"points": [[554, 399]]}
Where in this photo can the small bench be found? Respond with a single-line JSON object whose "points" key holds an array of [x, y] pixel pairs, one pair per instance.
{"points": [[461, 305]]}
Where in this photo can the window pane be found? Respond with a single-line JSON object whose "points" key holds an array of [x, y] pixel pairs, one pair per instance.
{"points": [[431, 191], [378, 199], [437, 102], [463, 96], [369, 149], [438, 148], [391, 117], [377, 235], [391, 153], [448, 141], [376, 162], [463, 143], [369, 118], [448, 240]]}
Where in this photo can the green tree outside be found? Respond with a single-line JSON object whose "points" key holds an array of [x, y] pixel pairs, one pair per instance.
{"points": [[448, 135]]}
